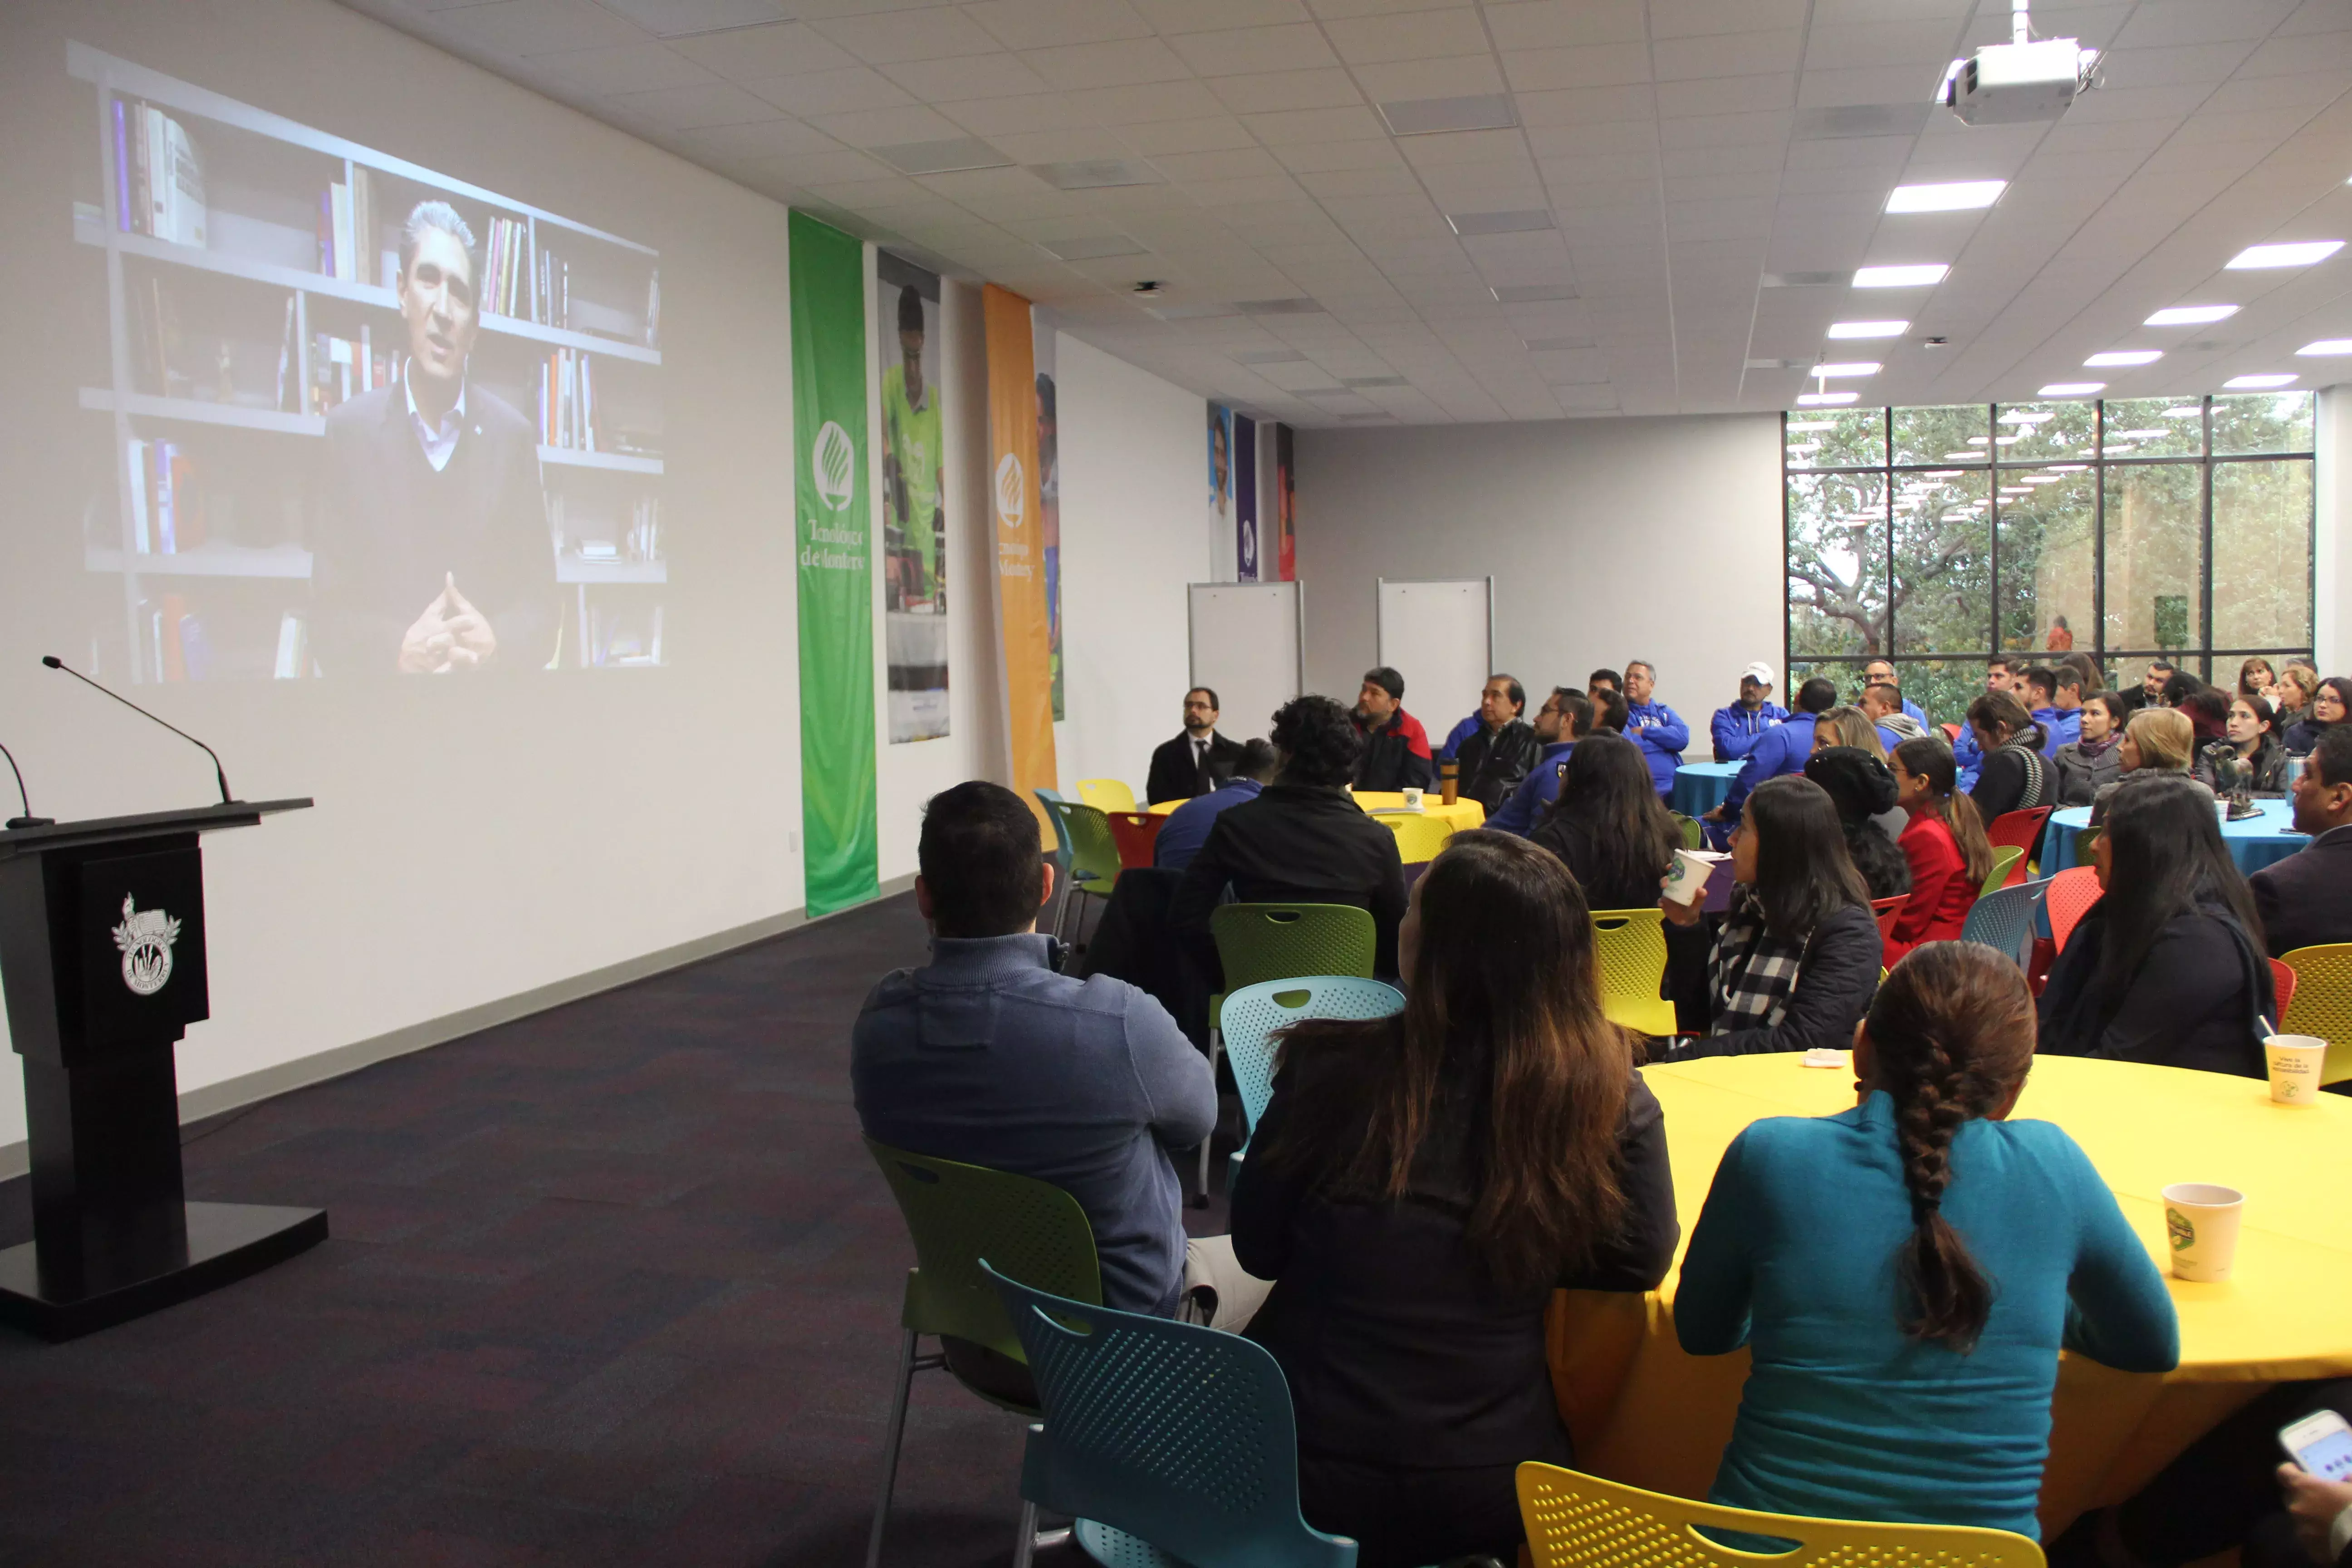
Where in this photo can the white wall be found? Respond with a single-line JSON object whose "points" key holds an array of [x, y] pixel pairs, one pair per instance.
{"points": [[2332, 541], [1607, 540]]}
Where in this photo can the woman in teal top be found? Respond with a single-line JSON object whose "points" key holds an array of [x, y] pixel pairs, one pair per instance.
{"points": [[1905, 1272]]}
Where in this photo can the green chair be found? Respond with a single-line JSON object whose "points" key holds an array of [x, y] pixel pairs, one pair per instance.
{"points": [[1693, 833], [956, 1215], [2004, 861], [1633, 949], [1093, 855]]}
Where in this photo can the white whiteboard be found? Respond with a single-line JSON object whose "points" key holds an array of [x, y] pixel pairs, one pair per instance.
{"points": [[1248, 646], [1440, 636]]}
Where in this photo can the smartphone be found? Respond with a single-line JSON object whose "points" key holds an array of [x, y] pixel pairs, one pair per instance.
{"points": [[2321, 1444]]}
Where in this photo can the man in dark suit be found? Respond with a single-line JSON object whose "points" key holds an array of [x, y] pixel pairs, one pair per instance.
{"points": [[432, 553], [1180, 768], [2305, 899]]}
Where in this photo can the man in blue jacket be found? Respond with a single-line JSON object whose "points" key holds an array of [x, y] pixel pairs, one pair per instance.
{"points": [[1657, 728], [2056, 698], [1565, 718], [1782, 750], [1738, 728], [1967, 756], [1881, 672]]}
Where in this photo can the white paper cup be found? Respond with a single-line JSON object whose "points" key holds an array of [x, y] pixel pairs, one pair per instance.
{"points": [[2222, 810], [2201, 1221], [1413, 800], [1687, 882], [2295, 1061]]}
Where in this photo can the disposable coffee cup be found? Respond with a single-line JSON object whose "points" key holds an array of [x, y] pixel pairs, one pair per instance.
{"points": [[2295, 1062], [2201, 1221], [1413, 800], [1687, 880], [2222, 809]]}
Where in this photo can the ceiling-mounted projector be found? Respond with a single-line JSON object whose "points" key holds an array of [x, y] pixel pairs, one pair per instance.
{"points": [[2021, 80]]}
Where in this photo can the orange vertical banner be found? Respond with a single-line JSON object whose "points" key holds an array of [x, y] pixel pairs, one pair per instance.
{"points": [[1022, 618]]}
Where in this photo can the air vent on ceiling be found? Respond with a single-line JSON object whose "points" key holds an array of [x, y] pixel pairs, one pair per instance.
{"points": [[691, 19], [1859, 119], [1527, 222], [1097, 173], [1091, 249], [1533, 293], [1297, 306], [1803, 280], [1376, 381], [1773, 363], [951, 156], [1427, 116], [1268, 356]]}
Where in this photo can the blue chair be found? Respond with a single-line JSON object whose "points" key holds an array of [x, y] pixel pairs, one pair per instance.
{"points": [[1166, 1443], [2004, 919], [1064, 855], [1254, 1012]]}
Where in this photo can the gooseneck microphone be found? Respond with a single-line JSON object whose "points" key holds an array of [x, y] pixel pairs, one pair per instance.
{"points": [[29, 819], [54, 662]]}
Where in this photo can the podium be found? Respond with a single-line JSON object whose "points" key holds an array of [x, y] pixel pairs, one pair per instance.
{"points": [[103, 961]]}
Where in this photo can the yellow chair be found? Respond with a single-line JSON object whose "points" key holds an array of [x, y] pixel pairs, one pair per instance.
{"points": [[2323, 1004], [1633, 944], [1107, 795], [1419, 837], [2004, 858], [1576, 1521]]}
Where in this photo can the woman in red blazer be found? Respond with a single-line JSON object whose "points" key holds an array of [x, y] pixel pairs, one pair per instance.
{"points": [[1945, 843]]}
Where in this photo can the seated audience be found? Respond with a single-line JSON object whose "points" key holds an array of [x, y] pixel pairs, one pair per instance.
{"points": [[1782, 749], [2083, 665], [1883, 672], [1862, 791], [1495, 757], [1609, 825], [1966, 753], [2014, 775], [1797, 958], [1421, 1184], [2330, 699], [1303, 840], [1603, 679], [2305, 899], [2055, 697], [2095, 757], [1396, 748], [2252, 734], [2150, 689], [2291, 694], [1738, 726], [1566, 718], [1232, 781], [1845, 726], [988, 1056], [1906, 1273], [1180, 768], [1944, 844], [1650, 724], [1884, 706], [2255, 677], [2208, 710], [1609, 710], [2158, 740], [2167, 966]]}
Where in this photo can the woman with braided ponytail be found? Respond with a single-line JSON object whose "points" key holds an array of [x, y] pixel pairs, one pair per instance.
{"points": [[1906, 1272]]}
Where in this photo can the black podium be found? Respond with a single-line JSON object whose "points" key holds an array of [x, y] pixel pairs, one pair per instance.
{"points": [[103, 959]]}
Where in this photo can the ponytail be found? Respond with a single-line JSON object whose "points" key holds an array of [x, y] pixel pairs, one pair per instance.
{"points": [[1930, 758]]}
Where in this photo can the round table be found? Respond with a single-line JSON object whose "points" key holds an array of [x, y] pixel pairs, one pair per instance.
{"points": [[1700, 787], [2254, 843], [1644, 1413], [1463, 815]]}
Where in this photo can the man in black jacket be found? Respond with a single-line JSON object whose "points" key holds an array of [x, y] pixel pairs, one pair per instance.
{"points": [[1180, 768], [1301, 840], [2305, 899], [1396, 754], [1499, 752]]}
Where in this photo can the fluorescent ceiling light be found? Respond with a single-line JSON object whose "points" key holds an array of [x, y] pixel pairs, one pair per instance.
{"points": [[1813, 424], [2258, 383], [1942, 473], [2006, 440], [1979, 440], [2328, 346], [2190, 315], [2299, 253], [2070, 467], [1949, 196], [1963, 457], [1923, 276], [1868, 329], [2139, 435], [2124, 356], [1808, 446], [1823, 399], [1844, 368], [2027, 415], [2186, 411]]}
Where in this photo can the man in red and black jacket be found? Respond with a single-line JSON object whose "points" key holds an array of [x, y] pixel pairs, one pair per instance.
{"points": [[1396, 748]]}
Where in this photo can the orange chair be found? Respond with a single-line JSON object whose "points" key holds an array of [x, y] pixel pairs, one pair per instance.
{"points": [[2072, 893], [2283, 982], [1951, 734], [1135, 832], [2021, 830], [1886, 910]]}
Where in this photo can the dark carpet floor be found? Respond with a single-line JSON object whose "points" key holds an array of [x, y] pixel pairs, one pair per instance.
{"points": [[615, 1284]]}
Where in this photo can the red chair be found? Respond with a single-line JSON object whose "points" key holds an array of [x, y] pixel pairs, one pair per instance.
{"points": [[1134, 833], [2283, 982], [2019, 830], [2072, 893], [1886, 910], [1951, 734]]}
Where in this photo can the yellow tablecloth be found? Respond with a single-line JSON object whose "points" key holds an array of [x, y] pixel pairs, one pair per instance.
{"points": [[1644, 1413], [1460, 817]]}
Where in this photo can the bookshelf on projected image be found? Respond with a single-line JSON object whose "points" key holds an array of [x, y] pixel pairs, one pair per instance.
{"points": [[249, 266]]}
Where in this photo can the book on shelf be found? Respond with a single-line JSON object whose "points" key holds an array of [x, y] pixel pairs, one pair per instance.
{"points": [[167, 498], [343, 368], [159, 175], [644, 538], [178, 647], [347, 227], [567, 402], [516, 273]]}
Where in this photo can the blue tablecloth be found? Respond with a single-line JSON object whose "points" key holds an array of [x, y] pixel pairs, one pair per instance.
{"points": [[1699, 787], [2255, 843]]}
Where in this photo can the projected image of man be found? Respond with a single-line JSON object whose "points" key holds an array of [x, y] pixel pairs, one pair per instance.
{"points": [[911, 456], [431, 552]]}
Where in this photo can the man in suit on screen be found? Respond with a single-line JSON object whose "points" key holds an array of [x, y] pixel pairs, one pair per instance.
{"points": [[432, 553]]}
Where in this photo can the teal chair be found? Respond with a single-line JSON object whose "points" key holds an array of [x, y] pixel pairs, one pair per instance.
{"points": [[1166, 1443], [2004, 919], [1092, 856], [1254, 1012]]}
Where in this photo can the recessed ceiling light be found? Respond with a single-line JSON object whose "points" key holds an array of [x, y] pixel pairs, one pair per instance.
{"points": [[1868, 329], [2259, 383], [952, 155], [2006, 440], [1097, 173], [1979, 440], [2328, 346], [2070, 467], [2027, 415], [2297, 253], [1949, 196], [1532, 293], [2073, 389], [2124, 357], [2139, 435], [1098, 248], [1525, 221], [1963, 457], [2186, 411], [2190, 315], [1844, 368], [1823, 399], [1922, 276], [1427, 116]]}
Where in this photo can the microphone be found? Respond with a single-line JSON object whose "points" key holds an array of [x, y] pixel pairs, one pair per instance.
{"points": [[29, 819], [54, 662]]}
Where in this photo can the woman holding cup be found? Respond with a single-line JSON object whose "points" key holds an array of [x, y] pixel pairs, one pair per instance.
{"points": [[1945, 843], [1609, 827], [2254, 731]]}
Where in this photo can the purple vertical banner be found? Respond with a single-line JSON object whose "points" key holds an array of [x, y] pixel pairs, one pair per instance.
{"points": [[1244, 498]]}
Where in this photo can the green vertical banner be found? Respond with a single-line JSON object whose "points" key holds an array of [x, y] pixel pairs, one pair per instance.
{"points": [[836, 586]]}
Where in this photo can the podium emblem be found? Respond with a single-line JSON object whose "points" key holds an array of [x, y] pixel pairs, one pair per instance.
{"points": [[145, 937]]}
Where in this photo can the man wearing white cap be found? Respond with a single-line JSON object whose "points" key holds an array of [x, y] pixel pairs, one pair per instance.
{"points": [[1739, 727]]}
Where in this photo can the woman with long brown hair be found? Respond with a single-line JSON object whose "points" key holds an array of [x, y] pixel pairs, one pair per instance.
{"points": [[1419, 1186], [1944, 842], [1906, 1272]]}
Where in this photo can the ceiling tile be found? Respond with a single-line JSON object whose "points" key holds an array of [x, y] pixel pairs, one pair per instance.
{"points": [[966, 76], [1207, 134], [886, 127], [694, 108], [1314, 125], [539, 26], [631, 67], [1694, 18], [1412, 35], [2188, 65], [1143, 103], [1561, 24], [1730, 54], [1586, 106], [1453, 75], [1321, 157], [756, 54], [1121, 63], [833, 92], [1173, 16], [1593, 65], [1278, 90], [1725, 95], [1038, 23], [888, 38], [760, 139], [1248, 52], [994, 116], [1333, 9]]}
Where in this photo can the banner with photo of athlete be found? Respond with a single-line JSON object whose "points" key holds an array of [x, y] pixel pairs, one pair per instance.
{"points": [[1221, 469], [914, 498]]}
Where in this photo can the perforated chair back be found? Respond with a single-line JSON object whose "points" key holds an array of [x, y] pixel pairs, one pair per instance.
{"points": [[958, 1213], [2002, 919], [1419, 838], [1576, 1521], [2281, 985], [1134, 833], [1887, 910], [1049, 799], [2072, 893], [1693, 831], [1633, 944], [1107, 795], [2323, 1004], [1281, 941], [2004, 861], [1094, 854], [1254, 1012], [1165, 1442], [2020, 828]]}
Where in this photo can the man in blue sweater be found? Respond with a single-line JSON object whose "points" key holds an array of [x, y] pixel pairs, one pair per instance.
{"points": [[1967, 756], [1784, 748], [1882, 672], [1230, 784], [2056, 698], [1657, 728], [1738, 726], [1565, 718]]}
